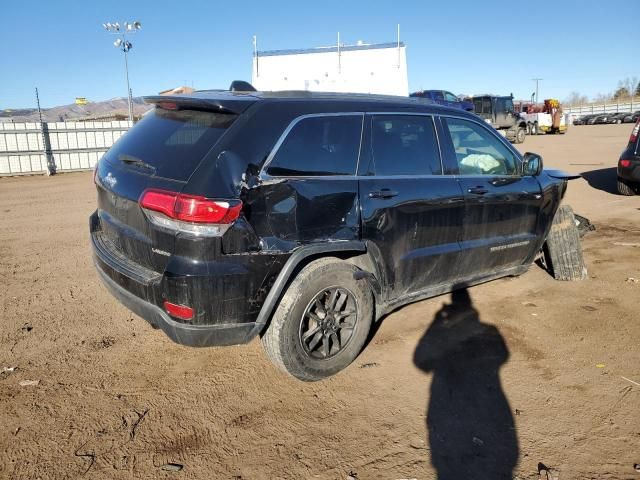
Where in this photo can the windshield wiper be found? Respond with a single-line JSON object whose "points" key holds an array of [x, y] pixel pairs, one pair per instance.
{"points": [[138, 162]]}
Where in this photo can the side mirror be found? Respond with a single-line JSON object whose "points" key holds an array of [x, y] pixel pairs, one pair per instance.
{"points": [[531, 165]]}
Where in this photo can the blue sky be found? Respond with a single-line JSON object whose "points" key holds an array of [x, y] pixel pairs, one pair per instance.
{"points": [[464, 46]]}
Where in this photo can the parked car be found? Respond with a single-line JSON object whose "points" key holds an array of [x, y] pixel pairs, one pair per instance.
{"points": [[617, 117], [629, 164], [305, 217], [442, 97], [584, 119], [631, 117], [599, 119]]}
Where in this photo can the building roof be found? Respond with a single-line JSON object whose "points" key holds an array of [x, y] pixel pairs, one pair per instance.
{"points": [[343, 48]]}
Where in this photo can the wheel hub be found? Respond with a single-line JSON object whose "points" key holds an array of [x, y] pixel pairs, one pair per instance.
{"points": [[328, 323]]}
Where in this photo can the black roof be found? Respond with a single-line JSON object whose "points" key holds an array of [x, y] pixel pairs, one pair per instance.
{"points": [[238, 102]]}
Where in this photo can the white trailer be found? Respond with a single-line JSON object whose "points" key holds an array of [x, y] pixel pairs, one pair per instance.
{"points": [[361, 68]]}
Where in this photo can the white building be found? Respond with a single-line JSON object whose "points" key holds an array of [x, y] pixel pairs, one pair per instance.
{"points": [[362, 68]]}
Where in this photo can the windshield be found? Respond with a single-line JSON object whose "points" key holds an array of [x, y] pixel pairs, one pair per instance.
{"points": [[504, 104], [171, 142]]}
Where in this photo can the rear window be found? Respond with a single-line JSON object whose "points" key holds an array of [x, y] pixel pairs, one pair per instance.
{"points": [[173, 142]]}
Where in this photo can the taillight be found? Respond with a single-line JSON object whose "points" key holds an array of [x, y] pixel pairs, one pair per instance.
{"points": [[634, 133], [625, 163], [179, 311], [192, 213], [168, 105]]}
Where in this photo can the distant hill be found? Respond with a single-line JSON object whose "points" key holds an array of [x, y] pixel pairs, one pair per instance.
{"points": [[115, 106]]}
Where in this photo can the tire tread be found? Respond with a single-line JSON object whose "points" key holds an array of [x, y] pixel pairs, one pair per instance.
{"points": [[563, 250]]}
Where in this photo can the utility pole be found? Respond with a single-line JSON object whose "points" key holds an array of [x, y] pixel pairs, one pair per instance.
{"points": [[255, 54], [339, 65], [398, 46], [46, 143], [537, 80]]}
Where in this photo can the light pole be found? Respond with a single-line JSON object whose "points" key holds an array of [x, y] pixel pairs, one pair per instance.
{"points": [[123, 44], [537, 80]]}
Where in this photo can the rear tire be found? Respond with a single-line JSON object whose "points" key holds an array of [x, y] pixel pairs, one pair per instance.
{"points": [[562, 249], [624, 188], [286, 340]]}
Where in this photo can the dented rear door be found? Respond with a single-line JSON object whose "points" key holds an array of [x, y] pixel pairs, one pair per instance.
{"points": [[411, 213]]}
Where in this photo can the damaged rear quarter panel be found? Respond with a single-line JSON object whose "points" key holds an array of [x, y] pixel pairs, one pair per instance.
{"points": [[290, 212]]}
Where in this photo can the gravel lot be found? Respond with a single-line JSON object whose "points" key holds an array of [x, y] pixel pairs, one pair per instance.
{"points": [[116, 399]]}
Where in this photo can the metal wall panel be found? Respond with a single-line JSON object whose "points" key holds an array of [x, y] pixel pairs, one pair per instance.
{"points": [[74, 145]]}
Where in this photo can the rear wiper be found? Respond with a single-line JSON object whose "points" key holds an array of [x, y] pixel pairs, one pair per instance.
{"points": [[131, 160]]}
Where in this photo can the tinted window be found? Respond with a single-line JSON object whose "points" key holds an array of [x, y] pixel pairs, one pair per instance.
{"points": [[320, 146], [173, 142], [404, 145], [438, 95], [450, 97], [486, 105], [479, 151], [504, 104]]}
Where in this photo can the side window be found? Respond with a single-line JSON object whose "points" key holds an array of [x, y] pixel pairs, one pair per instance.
{"points": [[477, 105], [324, 145], [450, 97], [404, 145], [486, 105], [479, 151], [438, 95]]}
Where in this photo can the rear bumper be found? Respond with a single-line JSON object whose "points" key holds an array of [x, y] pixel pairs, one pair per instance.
{"points": [[631, 173], [220, 320], [190, 335]]}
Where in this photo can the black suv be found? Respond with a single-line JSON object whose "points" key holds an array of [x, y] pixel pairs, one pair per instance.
{"points": [[629, 164], [304, 217]]}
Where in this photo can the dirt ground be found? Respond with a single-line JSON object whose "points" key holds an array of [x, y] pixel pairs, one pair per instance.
{"points": [[116, 399]]}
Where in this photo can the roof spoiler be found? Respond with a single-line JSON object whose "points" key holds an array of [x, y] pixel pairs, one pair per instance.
{"points": [[241, 86], [224, 104]]}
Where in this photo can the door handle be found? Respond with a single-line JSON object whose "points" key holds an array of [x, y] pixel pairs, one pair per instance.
{"points": [[478, 190], [384, 193]]}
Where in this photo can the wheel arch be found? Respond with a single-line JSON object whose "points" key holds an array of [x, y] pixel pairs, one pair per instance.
{"points": [[353, 252]]}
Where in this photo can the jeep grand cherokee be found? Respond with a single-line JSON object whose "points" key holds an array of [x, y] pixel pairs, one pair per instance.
{"points": [[304, 217]]}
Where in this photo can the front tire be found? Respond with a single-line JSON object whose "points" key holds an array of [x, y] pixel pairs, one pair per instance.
{"points": [[562, 249], [624, 188], [534, 129], [322, 321], [521, 135]]}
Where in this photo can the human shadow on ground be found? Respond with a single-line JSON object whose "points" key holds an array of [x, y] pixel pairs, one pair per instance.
{"points": [[471, 430], [605, 179]]}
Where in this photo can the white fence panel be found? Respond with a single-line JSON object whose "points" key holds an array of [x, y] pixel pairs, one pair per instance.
{"points": [[28, 147]]}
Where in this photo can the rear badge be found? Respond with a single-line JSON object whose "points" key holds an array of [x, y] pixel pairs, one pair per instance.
{"points": [[110, 180], [160, 252]]}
